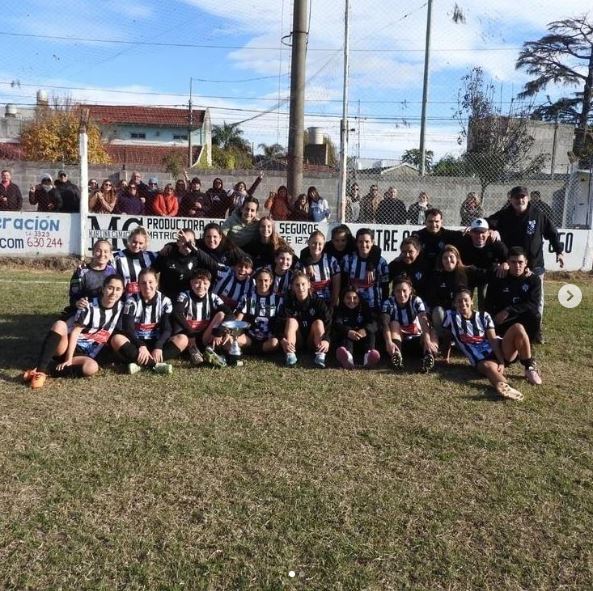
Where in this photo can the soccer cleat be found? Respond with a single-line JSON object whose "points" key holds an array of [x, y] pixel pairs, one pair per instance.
{"points": [[397, 361], [164, 368], [28, 374], [195, 356], [38, 380], [532, 375], [319, 360], [345, 358], [507, 391], [371, 358], [291, 360], [134, 368], [213, 358], [427, 362]]}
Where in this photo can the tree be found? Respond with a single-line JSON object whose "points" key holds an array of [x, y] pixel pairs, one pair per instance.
{"points": [[52, 136], [498, 144], [413, 157], [228, 135], [450, 166], [174, 163], [231, 158], [272, 151], [564, 56]]}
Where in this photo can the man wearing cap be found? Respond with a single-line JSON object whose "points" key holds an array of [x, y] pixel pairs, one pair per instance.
{"points": [[525, 226], [11, 198], [192, 203], [69, 192], [45, 195]]}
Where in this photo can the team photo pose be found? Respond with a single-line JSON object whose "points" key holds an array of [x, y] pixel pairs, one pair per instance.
{"points": [[197, 315], [406, 326], [74, 351], [130, 261], [411, 263], [475, 336], [260, 308], [306, 323], [355, 331], [284, 268], [323, 270], [145, 338], [263, 248]]}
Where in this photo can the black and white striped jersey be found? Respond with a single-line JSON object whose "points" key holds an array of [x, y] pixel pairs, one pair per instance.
{"points": [[470, 334], [281, 283], [198, 312], [260, 311], [406, 316], [98, 325], [230, 289], [129, 265], [147, 315], [356, 271], [321, 274]]}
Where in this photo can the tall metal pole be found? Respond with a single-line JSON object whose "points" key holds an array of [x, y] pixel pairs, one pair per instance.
{"points": [[190, 122], [83, 143], [344, 121], [296, 124], [425, 91]]}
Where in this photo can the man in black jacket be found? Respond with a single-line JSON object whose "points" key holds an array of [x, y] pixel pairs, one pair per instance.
{"points": [[11, 198], [515, 297], [434, 237], [69, 192], [525, 226]]}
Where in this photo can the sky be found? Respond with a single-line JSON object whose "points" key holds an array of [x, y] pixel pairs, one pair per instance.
{"points": [[236, 54]]}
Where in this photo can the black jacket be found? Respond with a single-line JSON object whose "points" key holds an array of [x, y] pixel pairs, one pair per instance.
{"points": [[70, 194], [528, 231], [14, 198], [516, 295]]}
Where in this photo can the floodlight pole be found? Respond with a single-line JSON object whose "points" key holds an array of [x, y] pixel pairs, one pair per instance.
{"points": [[425, 91]]}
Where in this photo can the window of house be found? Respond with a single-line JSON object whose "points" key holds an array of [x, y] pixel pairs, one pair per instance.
{"points": [[138, 136], [180, 137]]}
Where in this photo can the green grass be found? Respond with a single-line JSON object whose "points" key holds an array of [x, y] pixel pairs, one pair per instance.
{"points": [[229, 479]]}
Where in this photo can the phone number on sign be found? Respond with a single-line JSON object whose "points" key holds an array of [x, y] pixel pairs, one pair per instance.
{"points": [[42, 242]]}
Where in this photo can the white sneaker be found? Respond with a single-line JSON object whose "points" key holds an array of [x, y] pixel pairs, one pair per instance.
{"points": [[345, 358], [507, 391], [319, 360], [164, 368], [532, 375], [371, 358], [134, 368]]}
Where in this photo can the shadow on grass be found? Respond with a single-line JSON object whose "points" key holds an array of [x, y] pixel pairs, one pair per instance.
{"points": [[21, 339]]}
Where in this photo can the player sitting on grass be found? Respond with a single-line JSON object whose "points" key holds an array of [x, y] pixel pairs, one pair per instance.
{"points": [[145, 340], [197, 315], [476, 338], [355, 330], [307, 322], [406, 325], [77, 349]]}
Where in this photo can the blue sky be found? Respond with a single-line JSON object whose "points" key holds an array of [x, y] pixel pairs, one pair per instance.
{"points": [[233, 52]]}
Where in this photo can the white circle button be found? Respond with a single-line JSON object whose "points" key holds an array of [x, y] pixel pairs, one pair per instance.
{"points": [[570, 296]]}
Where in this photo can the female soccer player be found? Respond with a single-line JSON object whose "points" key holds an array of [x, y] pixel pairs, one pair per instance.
{"points": [[476, 338], [263, 248], [260, 308], [405, 324], [307, 322], [197, 314], [322, 269], [145, 340], [78, 348], [355, 330], [283, 270], [130, 261]]}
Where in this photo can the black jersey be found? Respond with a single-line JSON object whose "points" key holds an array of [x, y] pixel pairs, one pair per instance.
{"points": [[261, 311], [87, 282], [147, 320], [442, 285], [516, 295], [433, 244], [129, 264], [417, 272], [346, 319], [307, 311], [98, 325], [492, 253]]}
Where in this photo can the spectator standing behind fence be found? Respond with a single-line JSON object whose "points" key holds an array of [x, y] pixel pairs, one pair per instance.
{"points": [[217, 201], [368, 205], [192, 203], [180, 190], [93, 186], [129, 202], [69, 192], [104, 200], [318, 206], [417, 211], [279, 204], [535, 198], [45, 195], [11, 198], [240, 192], [471, 209], [391, 210], [353, 203], [300, 209], [166, 203]]}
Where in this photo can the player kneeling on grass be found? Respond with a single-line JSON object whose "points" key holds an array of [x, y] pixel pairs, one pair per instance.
{"points": [[406, 325], [197, 315], [355, 330], [475, 337], [77, 349], [145, 340], [307, 322], [260, 308]]}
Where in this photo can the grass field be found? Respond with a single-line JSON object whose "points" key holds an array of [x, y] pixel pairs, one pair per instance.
{"points": [[231, 479]]}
